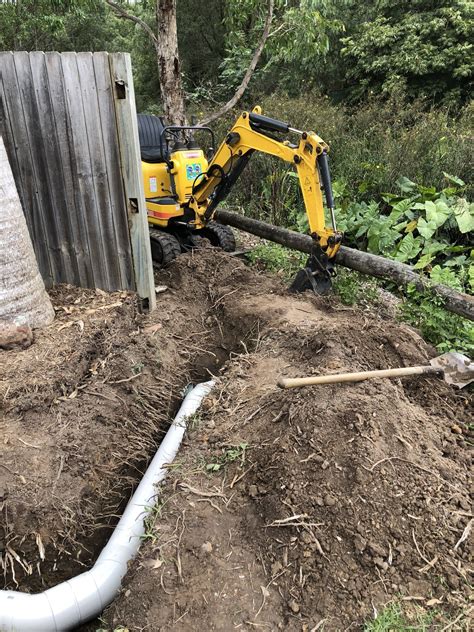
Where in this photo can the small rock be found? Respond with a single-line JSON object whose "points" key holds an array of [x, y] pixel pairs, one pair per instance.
{"points": [[325, 465], [376, 549], [329, 500], [360, 543], [464, 504], [253, 491], [294, 606], [319, 501], [378, 561], [206, 547], [456, 429]]}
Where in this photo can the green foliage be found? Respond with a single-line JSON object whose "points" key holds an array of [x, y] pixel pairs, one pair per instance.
{"points": [[276, 258], [448, 332], [422, 226], [354, 288], [370, 149], [426, 228], [425, 51], [229, 456], [394, 619]]}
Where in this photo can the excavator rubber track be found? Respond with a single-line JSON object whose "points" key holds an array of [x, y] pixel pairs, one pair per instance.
{"points": [[164, 247]]}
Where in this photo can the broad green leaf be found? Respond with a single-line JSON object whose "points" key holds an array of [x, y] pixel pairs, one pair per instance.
{"points": [[423, 261], [464, 214], [426, 229], [428, 192], [437, 212], [408, 248], [433, 246], [454, 179], [400, 208], [406, 185]]}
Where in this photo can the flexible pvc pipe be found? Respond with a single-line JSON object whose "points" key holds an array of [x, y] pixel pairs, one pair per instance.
{"points": [[81, 598]]}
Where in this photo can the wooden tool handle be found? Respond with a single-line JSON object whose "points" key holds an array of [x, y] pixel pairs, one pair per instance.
{"points": [[355, 377]]}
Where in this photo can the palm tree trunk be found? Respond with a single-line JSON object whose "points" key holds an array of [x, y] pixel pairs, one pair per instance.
{"points": [[23, 298]]}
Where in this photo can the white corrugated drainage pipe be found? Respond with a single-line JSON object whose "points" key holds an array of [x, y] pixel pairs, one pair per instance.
{"points": [[84, 597]]}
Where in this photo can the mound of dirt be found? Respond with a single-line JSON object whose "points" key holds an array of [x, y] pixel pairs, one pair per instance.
{"points": [[308, 508]]}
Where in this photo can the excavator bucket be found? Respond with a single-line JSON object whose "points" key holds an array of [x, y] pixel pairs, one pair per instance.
{"points": [[315, 276]]}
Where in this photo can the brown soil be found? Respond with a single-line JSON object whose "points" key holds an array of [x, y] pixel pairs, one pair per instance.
{"points": [[289, 508], [286, 508]]}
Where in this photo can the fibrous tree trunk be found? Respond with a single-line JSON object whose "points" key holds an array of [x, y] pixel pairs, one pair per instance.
{"points": [[165, 43], [23, 298], [171, 85]]}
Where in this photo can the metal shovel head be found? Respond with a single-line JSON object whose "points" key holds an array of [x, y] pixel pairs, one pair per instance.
{"points": [[457, 368]]}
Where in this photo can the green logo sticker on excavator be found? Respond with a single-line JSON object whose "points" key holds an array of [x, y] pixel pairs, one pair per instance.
{"points": [[192, 171]]}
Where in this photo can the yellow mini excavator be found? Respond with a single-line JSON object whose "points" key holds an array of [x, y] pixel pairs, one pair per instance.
{"points": [[183, 187]]}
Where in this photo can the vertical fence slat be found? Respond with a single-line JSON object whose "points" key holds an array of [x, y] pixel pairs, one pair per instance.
{"points": [[109, 139], [124, 96], [25, 123], [48, 153], [69, 178]]}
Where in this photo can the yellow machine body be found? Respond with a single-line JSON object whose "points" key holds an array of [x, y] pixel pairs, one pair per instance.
{"points": [[163, 185]]}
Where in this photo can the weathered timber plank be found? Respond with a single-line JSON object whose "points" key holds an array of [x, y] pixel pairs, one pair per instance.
{"points": [[124, 97], [48, 155], [24, 123], [67, 179], [118, 220]]}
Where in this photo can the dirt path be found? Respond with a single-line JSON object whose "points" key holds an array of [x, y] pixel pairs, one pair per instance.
{"points": [[285, 508]]}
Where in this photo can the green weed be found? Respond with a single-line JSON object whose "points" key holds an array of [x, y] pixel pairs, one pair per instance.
{"points": [[153, 513], [393, 619], [278, 259], [229, 456], [354, 288]]}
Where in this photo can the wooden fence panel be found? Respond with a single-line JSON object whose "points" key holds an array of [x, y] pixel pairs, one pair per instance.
{"points": [[74, 152]]}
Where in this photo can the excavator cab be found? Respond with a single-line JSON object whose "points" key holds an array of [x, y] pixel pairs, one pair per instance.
{"points": [[172, 162]]}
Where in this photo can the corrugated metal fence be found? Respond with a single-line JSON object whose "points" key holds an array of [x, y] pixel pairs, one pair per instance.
{"points": [[69, 125]]}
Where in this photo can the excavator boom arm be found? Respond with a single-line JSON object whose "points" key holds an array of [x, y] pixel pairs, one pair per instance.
{"points": [[252, 132]]}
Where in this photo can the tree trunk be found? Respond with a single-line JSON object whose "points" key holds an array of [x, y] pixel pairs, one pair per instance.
{"points": [[171, 85], [364, 262], [23, 298]]}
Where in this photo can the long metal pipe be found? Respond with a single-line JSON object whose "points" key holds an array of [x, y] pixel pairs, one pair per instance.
{"points": [[83, 597]]}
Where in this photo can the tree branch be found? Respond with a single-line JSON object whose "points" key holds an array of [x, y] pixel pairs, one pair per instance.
{"points": [[122, 13], [364, 262], [248, 75]]}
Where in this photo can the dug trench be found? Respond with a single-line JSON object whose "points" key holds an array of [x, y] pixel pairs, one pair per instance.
{"points": [[84, 409], [286, 510]]}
